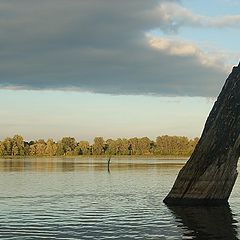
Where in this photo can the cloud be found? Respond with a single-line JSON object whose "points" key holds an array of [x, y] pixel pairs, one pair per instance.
{"points": [[101, 46], [178, 16], [185, 49]]}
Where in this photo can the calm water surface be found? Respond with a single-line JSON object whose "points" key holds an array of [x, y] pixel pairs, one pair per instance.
{"points": [[80, 199]]}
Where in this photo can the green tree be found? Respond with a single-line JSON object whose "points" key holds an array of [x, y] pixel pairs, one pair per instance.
{"points": [[164, 145], [111, 147], [144, 146], [18, 146], [51, 148], [123, 146], [98, 146], [66, 146], [26, 148], [134, 146], [60, 149], [173, 145], [84, 148], [8, 144], [38, 148], [1, 149]]}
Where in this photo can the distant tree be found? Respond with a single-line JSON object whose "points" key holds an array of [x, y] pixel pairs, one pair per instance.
{"points": [[164, 145], [144, 146], [18, 146], [123, 146], [8, 144], [38, 148], [98, 146], [111, 147], [1, 149], [51, 148], [41, 146], [139, 146], [84, 148], [134, 145], [77, 151], [26, 148], [117, 147], [182, 144], [174, 145], [33, 150], [60, 149], [66, 146]]}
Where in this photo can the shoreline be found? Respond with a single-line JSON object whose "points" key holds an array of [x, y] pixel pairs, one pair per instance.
{"points": [[120, 157]]}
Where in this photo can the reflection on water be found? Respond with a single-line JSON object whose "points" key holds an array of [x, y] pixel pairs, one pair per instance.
{"points": [[205, 223], [65, 165], [79, 199]]}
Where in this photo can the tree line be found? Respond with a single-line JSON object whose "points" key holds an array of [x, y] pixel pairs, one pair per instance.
{"points": [[68, 146]]}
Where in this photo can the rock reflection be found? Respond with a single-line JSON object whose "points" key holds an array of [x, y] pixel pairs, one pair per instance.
{"points": [[205, 223]]}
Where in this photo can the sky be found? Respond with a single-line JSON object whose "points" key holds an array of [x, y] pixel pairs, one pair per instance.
{"points": [[87, 68]]}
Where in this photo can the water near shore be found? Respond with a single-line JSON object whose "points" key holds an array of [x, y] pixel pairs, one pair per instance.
{"points": [[80, 199]]}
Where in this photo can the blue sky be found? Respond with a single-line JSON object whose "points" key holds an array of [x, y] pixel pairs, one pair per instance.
{"points": [[113, 69], [224, 40]]}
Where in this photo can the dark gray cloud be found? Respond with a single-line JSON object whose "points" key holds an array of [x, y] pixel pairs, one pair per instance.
{"points": [[98, 46]]}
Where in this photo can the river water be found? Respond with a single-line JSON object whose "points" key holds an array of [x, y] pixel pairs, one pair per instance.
{"points": [[80, 199]]}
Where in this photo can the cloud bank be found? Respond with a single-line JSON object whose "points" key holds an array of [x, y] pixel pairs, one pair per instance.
{"points": [[103, 46]]}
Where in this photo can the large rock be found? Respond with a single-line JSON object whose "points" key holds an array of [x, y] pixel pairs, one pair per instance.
{"points": [[209, 175]]}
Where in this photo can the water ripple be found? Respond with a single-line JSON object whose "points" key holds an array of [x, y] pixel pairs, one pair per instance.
{"points": [[125, 204]]}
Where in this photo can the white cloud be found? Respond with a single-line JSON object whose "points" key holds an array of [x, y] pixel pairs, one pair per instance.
{"points": [[178, 16], [182, 48]]}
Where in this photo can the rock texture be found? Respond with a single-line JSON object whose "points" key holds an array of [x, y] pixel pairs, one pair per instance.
{"points": [[209, 175]]}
